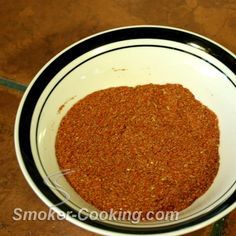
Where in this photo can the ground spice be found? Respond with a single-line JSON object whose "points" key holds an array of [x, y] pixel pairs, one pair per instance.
{"points": [[152, 147]]}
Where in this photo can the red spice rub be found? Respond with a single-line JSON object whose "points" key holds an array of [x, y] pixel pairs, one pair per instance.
{"points": [[152, 147]]}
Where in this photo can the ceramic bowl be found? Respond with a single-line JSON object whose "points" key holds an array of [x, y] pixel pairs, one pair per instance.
{"points": [[128, 56]]}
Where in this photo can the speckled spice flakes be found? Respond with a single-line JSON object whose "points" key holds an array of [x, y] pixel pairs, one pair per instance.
{"points": [[152, 147]]}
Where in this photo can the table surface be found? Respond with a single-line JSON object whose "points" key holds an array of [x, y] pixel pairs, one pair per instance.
{"points": [[32, 32]]}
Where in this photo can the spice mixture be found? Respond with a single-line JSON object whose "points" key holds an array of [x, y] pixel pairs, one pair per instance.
{"points": [[147, 148]]}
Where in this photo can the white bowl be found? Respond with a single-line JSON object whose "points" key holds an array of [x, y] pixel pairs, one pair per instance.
{"points": [[128, 56]]}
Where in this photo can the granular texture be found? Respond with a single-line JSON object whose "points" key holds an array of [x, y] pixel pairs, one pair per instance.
{"points": [[147, 148]]}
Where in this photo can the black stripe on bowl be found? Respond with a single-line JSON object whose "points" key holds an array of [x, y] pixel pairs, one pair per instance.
{"points": [[79, 49]]}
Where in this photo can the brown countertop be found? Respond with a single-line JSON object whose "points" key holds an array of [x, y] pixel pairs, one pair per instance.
{"points": [[34, 31]]}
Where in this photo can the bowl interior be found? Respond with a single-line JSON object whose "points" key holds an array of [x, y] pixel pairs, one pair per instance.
{"points": [[130, 63]]}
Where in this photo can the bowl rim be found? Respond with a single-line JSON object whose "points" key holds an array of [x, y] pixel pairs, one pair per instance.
{"points": [[228, 205]]}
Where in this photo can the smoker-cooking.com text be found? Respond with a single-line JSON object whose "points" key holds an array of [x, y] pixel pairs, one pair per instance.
{"points": [[84, 214]]}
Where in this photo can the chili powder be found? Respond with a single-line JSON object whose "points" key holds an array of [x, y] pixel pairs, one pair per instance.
{"points": [[144, 148]]}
